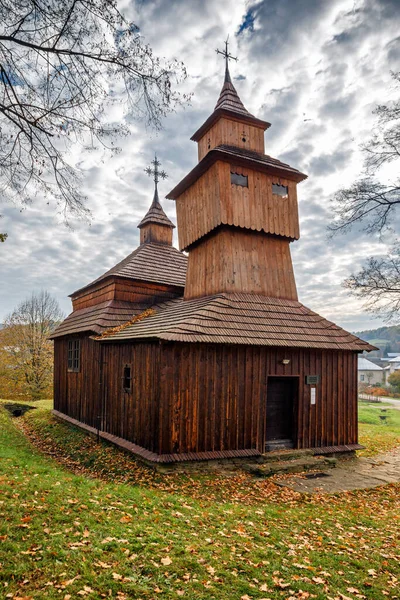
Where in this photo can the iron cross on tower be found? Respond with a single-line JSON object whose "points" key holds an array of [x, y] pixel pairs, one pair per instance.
{"points": [[226, 54], [155, 173]]}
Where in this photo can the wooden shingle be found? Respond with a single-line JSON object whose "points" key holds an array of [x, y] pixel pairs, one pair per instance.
{"points": [[242, 319]]}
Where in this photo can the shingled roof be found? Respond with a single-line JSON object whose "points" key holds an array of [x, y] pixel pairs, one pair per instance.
{"points": [[156, 214], [229, 98], [242, 319], [158, 263], [98, 318], [229, 104]]}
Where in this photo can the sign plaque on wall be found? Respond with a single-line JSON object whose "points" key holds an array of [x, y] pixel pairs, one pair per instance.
{"points": [[313, 395], [312, 379]]}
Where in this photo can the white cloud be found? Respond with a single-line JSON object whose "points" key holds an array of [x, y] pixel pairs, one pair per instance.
{"points": [[314, 69]]}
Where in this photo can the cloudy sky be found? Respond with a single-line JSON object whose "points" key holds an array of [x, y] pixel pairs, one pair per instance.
{"points": [[314, 69]]}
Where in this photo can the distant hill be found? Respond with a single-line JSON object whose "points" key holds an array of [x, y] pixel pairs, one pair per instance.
{"points": [[387, 339]]}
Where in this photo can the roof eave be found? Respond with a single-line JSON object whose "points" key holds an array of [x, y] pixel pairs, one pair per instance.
{"points": [[213, 155], [155, 222], [224, 112]]}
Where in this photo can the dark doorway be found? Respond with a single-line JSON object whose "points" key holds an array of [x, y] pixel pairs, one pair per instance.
{"points": [[281, 402]]}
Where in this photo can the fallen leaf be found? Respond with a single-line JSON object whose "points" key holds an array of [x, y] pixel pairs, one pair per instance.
{"points": [[125, 519], [166, 561]]}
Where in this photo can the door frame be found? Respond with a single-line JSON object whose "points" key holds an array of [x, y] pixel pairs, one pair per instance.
{"points": [[295, 407]]}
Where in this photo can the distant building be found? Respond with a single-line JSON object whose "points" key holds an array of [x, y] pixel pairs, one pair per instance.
{"points": [[369, 373], [394, 363]]}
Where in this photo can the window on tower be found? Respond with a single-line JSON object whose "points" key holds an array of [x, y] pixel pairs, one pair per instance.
{"points": [[280, 190], [238, 179]]}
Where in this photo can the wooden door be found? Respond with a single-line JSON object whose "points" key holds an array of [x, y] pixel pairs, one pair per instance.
{"points": [[281, 402]]}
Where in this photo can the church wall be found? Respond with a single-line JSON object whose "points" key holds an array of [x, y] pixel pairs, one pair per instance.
{"points": [[77, 394], [158, 234], [198, 208], [133, 415], [213, 397], [236, 260], [100, 292], [205, 397], [256, 207], [213, 200], [126, 290], [233, 133]]}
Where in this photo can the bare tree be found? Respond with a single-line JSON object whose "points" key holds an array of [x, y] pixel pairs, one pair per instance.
{"points": [[61, 66], [369, 202], [25, 340], [378, 284], [372, 205]]}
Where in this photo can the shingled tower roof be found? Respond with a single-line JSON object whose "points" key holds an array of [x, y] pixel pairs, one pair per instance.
{"points": [[229, 98], [228, 105], [156, 214]]}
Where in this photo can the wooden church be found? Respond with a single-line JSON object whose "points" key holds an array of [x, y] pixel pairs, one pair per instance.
{"points": [[209, 354]]}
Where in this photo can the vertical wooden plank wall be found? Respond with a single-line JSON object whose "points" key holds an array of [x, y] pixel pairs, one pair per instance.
{"points": [[132, 415], [204, 397], [212, 201], [214, 397], [241, 261], [78, 394], [232, 133]]}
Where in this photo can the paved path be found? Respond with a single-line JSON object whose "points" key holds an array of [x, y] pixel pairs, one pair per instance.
{"points": [[355, 474], [395, 403], [387, 400]]}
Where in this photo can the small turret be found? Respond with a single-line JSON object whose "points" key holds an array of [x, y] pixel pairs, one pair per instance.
{"points": [[156, 227]]}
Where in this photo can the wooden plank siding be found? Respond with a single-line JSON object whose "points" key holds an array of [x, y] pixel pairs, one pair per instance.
{"points": [[212, 201], [117, 288], [78, 395], [191, 398], [233, 133], [154, 232], [132, 415], [236, 260]]}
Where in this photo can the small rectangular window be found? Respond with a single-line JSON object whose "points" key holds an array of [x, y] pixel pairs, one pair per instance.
{"points": [[362, 377], [280, 190], [127, 379], [238, 179], [74, 358]]}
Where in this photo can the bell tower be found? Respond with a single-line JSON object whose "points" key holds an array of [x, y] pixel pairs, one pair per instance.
{"points": [[237, 209]]}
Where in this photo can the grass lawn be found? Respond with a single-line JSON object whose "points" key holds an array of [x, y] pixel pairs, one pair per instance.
{"points": [[375, 435], [101, 526]]}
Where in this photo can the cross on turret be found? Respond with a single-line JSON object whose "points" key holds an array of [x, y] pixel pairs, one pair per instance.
{"points": [[155, 172], [226, 55]]}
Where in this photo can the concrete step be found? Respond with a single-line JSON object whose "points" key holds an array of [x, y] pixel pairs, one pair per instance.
{"points": [[283, 455], [296, 465]]}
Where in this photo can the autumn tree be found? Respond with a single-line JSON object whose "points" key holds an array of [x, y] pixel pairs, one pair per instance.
{"points": [[62, 66], [394, 380], [24, 340], [372, 203]]}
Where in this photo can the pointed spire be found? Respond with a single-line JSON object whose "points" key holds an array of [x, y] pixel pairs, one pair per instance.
{"points": [[229, 98], [156, 214]]}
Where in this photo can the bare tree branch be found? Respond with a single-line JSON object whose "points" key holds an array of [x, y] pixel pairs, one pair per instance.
{"points": [[369, 202], [372, 204], [62, 65], [378, 283]]}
